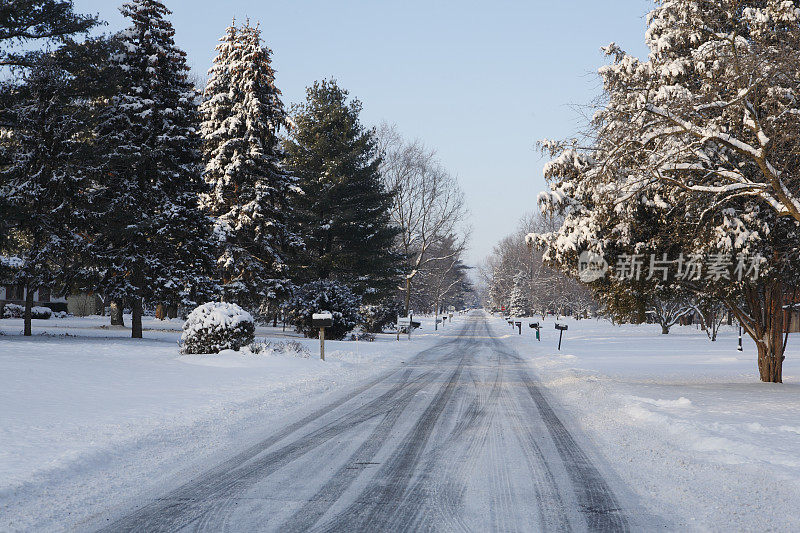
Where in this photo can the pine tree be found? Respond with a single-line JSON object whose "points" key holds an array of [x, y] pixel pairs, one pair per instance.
{"points": [[250, 190], [519, 305], [43, 180], [344, 212], [24, 25], [153, 242], [26, 21]]}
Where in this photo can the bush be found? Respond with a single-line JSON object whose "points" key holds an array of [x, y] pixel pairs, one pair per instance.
{"points": [[366, 337], [18, 311], [324, 296], [268, 347], [376, 318], [217, 326], [13, 311]]}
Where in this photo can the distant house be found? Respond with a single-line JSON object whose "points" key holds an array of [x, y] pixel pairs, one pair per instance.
{"points": [[78, 304], [15, 294]]}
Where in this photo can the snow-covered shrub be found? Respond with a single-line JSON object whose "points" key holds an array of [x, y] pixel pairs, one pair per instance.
{"points": [[268, 347], [13, 311], [363, 336], [324, 296], [18, 311], [296, 349], [376, 318], [217, 326], [41, 313]]}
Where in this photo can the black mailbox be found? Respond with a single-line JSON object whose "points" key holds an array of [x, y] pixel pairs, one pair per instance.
{"points": [[322, 320], [534, 325], [561, 329]]}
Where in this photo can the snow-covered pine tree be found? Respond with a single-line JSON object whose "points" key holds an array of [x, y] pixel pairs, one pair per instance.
{"points": [[31, 21], [43, 181], [344, 214], [152, 240], [519, 304], [249, 188]]}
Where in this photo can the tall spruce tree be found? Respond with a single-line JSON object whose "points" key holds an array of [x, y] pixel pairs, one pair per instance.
{"points": [[44, 178], [249, 188], [25, 25], [519, 304], [152, 240], [343, 214]]}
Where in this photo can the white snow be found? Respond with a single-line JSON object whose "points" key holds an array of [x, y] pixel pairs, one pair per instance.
{"points": [[91, 417], [685, 423]]}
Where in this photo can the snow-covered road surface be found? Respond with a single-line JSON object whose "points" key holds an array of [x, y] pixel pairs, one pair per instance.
{"points": [[460, 437]]}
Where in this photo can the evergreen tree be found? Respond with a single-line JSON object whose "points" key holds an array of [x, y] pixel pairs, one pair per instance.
{"points": [[519, 305], [343, 214], [25, 24], [249, 188], [23, 21], [44, 177], [152, 240]]}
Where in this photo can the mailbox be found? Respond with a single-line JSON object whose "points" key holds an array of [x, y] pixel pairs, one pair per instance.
{"points": [[321, 320], [561, 329], [537, 327]]}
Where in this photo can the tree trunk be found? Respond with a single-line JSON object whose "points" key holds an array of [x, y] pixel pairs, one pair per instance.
{"points": [[771, 346], [161, 312], [115, 310], [664, 329], [136, 319], [28, 310], [408, 295], [766, 327], [172, 311]]}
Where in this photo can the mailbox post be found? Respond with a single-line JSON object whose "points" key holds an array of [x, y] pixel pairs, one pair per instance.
{"points": [[535, 325], [403, 321], [561, 329], [740, 338], [322, 321], [519, 326]]}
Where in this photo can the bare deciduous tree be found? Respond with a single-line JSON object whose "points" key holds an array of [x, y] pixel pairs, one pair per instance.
{"points": [[428, 202]]}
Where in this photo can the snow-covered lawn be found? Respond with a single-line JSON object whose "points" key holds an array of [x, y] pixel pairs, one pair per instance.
{"points": [[90, 416], [684, 422]]}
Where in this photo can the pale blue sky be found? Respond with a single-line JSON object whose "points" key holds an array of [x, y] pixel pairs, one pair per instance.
{"points": [[479, 81]]}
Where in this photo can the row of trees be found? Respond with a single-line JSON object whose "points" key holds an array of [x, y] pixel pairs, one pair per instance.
{"points": [[518, 281], [694, 154], [118, 177]]}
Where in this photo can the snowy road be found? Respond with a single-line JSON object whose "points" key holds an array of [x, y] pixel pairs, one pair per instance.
{"points": [[460, 437]]}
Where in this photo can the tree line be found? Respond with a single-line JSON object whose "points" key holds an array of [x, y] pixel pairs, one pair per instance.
{"points": [[519, 283], [119, 177]]}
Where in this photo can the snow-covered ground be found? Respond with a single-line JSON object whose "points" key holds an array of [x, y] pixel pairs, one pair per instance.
{"points": [[684, 422], [90, 416]]}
